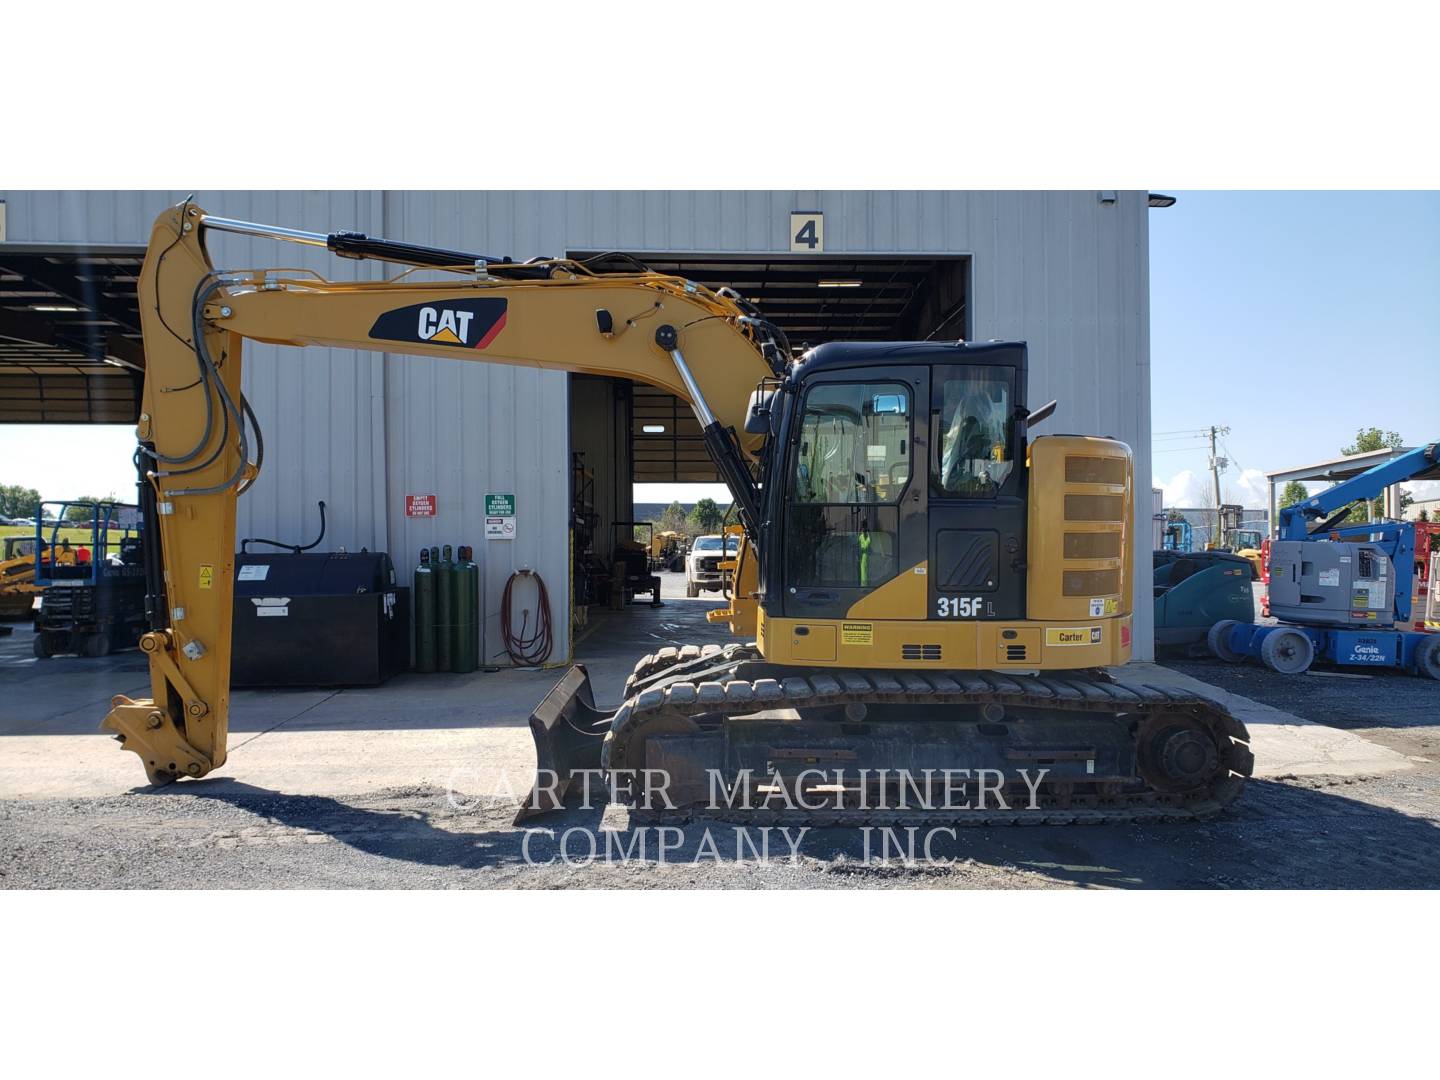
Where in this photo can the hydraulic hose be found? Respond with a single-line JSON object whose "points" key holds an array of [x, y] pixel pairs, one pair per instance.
{"points": [[526, 649], [294, 549]]}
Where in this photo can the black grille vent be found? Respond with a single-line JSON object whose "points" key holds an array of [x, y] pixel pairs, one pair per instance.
{"points": [[1014, 652], [967, 560], [920, 652]]}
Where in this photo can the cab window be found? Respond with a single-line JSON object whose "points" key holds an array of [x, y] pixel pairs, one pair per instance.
{"points": [[852, 464], [975, 406], [854, 444]]}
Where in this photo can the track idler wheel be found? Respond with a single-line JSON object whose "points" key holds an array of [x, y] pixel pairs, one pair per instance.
{"points": [[1177, 753]]}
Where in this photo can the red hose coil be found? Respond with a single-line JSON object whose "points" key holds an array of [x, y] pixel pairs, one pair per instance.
{"points": [[525, 649]]}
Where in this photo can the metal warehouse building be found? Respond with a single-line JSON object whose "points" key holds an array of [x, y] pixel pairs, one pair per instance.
{"points": [[1066, 271]]}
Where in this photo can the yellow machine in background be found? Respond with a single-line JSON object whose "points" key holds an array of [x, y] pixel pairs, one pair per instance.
{"points": [[665, 549], [921, 586], [17, 578]]}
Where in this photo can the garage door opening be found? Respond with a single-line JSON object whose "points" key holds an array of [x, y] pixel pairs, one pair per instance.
{"points": [[638, 450], [71, 368]]}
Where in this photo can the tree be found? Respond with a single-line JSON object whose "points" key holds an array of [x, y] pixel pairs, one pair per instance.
{"points": [[87, 513], [705, 517], [1424, 516], [18, 501], [1368, 440], [1293, 492], [672, 519], [1210, 516]]}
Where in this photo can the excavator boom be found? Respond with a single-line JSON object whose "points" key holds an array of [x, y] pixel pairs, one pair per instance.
{"points": [[202, 447]]}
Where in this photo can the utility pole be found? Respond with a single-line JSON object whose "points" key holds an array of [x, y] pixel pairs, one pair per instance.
{"points": [[1217, 466]]}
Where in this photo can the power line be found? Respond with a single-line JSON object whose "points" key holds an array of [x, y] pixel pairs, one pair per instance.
{"points": [[1224, 446]]}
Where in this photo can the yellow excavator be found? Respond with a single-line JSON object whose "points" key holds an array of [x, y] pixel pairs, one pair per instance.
{"points": [[926, 596]]}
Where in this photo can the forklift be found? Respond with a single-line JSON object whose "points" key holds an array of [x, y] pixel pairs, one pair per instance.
{"points": [[92, 598]]}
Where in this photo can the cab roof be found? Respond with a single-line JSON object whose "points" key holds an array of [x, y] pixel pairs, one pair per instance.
{"points": [[844, 354]]}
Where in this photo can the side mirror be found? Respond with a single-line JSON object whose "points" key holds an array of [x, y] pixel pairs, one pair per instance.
{"points": [[1042, 413], [757, 414]]}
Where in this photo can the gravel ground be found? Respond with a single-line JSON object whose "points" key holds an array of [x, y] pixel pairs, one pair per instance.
{"points": [[1391, 708], [1315, 832], [1363, 833]]}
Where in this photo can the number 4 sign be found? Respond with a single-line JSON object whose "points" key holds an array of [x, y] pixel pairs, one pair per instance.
{"points": [[807, 231]]}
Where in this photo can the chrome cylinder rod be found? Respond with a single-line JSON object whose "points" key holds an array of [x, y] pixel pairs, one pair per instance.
{"points": [[271, 232], [692, 388]]}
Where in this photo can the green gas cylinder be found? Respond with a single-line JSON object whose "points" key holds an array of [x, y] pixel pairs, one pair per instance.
{"points": [[424, 614], [445, 611], [466, 655]]}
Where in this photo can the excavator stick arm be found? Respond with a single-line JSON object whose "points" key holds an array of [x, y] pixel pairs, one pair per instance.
{"points": [[201, 446]]}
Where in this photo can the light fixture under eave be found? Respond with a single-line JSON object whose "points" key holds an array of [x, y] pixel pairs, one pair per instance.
{"points": [[653, 429], [841, 284], [53, 307], [1158, 201]]}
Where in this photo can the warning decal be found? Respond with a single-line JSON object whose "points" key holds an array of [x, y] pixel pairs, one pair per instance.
{"points": [[857, 633], [207, 575]]}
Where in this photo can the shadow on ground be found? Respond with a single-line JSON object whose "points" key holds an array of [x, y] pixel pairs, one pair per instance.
{"points": [[1279, 836]]}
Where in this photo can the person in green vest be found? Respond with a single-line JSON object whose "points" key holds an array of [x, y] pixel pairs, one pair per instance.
{"points": [[864, 554]]}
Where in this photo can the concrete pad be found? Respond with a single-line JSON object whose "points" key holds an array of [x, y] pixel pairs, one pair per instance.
{"points": [[1283, 744], [482, 761], [468, 732]]}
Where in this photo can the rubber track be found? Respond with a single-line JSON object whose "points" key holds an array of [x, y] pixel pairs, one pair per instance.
{"points": [[676, 699]]}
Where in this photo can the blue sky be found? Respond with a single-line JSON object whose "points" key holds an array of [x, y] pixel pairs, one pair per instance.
{"points": [[1293, 318]]}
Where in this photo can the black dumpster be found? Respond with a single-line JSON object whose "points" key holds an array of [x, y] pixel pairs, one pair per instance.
{"points": [[318, 619]]}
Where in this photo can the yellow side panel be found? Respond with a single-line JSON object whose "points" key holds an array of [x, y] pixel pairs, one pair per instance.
{"points": [[902, 597], [937, 645], [1081, 540], [1019, 647], [809, 642]]}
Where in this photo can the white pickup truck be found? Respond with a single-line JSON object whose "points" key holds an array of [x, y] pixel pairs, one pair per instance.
{"points": [[702, 564]]}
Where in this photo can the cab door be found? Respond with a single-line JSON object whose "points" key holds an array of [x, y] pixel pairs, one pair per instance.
{"points": [[854, 514], [977, 489]]}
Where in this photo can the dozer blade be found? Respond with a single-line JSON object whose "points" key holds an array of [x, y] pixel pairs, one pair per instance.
{"points": [[569, 733]]}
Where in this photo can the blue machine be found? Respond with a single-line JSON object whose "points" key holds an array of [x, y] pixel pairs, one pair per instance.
{"points": [[94, 590], [1339, 590], [1177, 536]]}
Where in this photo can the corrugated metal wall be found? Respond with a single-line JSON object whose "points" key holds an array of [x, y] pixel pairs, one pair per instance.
{"points": [[1063, 270]]}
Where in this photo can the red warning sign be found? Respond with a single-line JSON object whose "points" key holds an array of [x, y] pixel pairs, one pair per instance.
{"points": [[419, 505]]}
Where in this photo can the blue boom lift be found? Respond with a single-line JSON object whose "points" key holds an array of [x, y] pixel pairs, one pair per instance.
{"points": [[1338, 590]]}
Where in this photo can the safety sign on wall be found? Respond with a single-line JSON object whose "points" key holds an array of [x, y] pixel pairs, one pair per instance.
{"points": [[499, 517], [420, 506]]}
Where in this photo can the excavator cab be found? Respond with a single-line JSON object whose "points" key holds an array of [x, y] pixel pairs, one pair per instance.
{"points": [[895, 457]]}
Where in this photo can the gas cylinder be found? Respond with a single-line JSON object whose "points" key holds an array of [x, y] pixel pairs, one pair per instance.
{"points": [[424, 614], [445, 611], [467, 602]]}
